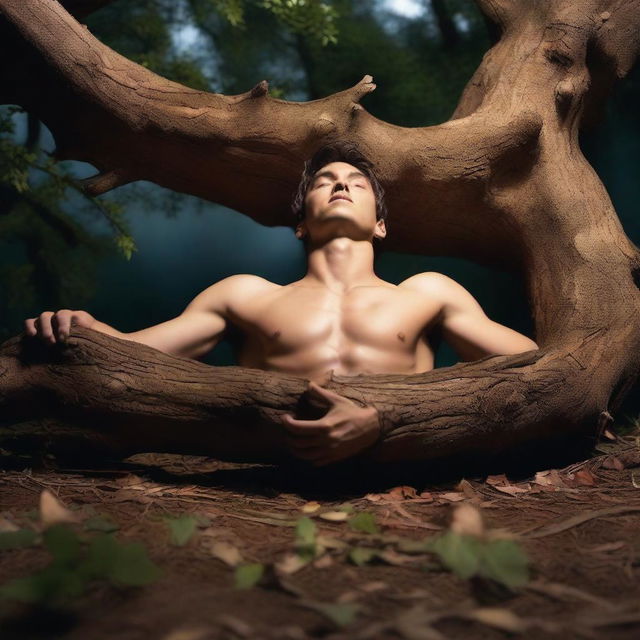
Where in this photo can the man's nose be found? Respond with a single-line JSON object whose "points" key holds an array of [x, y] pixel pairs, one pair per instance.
{"points": [[339, 186]]}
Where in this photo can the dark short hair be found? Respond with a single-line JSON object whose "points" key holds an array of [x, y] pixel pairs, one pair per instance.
{"points": [[339, 151]]}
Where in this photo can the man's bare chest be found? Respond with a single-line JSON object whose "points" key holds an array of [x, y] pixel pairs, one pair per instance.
{"points": [[299, 319]]}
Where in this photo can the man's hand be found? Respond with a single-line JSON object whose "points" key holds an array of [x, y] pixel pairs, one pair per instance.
{"points": [[345, 430], [55, 326]]}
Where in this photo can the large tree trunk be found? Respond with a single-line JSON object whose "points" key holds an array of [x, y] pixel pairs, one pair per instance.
{"points": [[503, 183]]}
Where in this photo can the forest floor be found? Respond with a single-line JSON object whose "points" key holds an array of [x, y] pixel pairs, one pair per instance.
{"points": [[248, 551]]}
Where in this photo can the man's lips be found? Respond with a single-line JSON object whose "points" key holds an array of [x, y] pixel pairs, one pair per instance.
{"points": [[340, 198]]}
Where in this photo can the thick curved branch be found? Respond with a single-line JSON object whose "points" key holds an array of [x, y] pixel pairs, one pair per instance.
{"points": [[133, 125], [501, 12], [132, 398]]}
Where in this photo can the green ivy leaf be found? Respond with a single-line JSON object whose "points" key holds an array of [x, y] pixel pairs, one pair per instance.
{"points": [[101, 523], [182, 529], [504, 561], [306, 532], [17, 539], [62, 543], [248, 575], [362, 555], [459, 553], [340, 614], [364, 522]]}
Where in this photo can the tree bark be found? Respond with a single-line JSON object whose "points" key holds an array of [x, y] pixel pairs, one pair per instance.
{"points": [[503, 183]]}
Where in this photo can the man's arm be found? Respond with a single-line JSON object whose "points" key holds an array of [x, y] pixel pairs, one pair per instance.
{"points": [[464, 324], [192, 334]]}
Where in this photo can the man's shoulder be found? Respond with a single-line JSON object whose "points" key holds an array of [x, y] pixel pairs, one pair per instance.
{"points": [[429, 282], [231, 290]]}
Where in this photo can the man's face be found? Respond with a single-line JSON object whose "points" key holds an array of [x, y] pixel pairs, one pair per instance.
{"points": [[340, 201]]}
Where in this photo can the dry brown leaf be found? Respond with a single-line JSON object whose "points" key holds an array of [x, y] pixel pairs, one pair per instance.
{"points": [[7, 525], [513, 489], [499, 618], [467, 520], [227, 553], [348, 596], [426, 495], [52, 511], [403, 492], [290, 564], [613, 462], [310, 507], [334, 516], [451, 496], [497, 479], [467, 488], [372, 587], [324, 562], [584, 477]]}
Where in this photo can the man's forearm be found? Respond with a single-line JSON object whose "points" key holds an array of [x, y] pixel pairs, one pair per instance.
{"points": [[102, 327]]}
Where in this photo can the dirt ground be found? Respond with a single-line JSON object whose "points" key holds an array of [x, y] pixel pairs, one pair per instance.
{"points": [[579, 526]]}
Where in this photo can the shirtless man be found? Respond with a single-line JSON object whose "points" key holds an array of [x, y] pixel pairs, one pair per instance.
{"points": [[339, 317]]}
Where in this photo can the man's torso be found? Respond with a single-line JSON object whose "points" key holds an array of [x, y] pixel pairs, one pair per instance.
{"points": [[308, 330]]}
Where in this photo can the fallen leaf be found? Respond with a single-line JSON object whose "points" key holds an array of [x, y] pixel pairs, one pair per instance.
{"points": [[499, 618], [17, 539], [334, 516], [182, 529], [612, 462], [364, 522], [512, 489], [403, 492], [467, 520], [340, 614], [310, 507], [248, 575], [291, 563], [7, 525], [451, 496], [227, 553], [52, 511], [372, 587], [323, 562], [465, 487], [497, 479], [101, 523], [584, 477]]}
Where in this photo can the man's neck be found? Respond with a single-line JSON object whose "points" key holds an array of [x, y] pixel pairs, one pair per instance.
{"points": [[341, 264]]}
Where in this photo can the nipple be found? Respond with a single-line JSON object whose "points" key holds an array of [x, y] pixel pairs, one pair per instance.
{"points": [[276, 335], [401, 336]]}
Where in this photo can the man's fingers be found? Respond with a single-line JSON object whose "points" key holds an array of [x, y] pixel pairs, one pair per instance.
{"points": [[61, 324], [43, 324], [325, 394], [30, 326], [306, 427]]}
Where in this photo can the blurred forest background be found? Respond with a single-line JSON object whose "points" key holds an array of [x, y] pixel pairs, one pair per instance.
{"points": [[136, 256]]}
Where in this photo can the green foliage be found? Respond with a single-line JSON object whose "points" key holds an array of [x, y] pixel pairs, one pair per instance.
{"points": [[17, 539], [182, 529], [73, 566], [306, 542], [248, 575], [501, 560], [341, 614], [364, 522], [312, 18]]}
